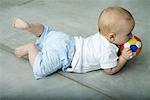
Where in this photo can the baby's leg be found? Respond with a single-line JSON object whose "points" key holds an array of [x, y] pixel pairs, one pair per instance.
{"points": [[32, 53], [28, 49], [34, 28]]}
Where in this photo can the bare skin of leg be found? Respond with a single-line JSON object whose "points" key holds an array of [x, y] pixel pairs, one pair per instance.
{"points": [[35, 28], [28, 49], [32, 53]]}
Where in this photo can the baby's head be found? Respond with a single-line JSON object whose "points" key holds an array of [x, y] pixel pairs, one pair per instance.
{"points": [[116, 24]]}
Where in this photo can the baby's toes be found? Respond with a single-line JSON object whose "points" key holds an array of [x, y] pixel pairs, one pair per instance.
{"points": [[19, 23], [13, 23], [17, 52]]}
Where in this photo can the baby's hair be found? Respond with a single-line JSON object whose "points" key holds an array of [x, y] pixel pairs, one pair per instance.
{"points": [[110, 25]]}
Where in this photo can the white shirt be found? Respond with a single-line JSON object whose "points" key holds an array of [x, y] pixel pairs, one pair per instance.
{"points": [[93, 53]]}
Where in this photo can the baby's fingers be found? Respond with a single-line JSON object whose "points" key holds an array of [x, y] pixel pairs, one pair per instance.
{"points": [[133, 55], [126, 50], [129, 52]]}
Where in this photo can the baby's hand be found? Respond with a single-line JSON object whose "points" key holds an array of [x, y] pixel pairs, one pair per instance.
{"points": [[128, 54]]}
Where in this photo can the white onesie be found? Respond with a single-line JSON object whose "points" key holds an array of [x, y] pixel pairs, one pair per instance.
{"points": [[93, 53]]}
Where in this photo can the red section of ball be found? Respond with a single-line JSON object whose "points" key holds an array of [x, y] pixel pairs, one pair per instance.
{"points": [[138, 51], [138, 39]]}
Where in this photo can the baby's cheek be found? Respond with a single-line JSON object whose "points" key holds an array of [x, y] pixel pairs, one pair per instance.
{"points": [[125, 40]]}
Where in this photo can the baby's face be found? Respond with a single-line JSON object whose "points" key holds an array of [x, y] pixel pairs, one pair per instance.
{"points": [[122, 38], [124, 33]]}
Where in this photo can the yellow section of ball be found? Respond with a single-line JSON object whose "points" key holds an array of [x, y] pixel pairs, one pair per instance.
{"points": [[132, 41]]}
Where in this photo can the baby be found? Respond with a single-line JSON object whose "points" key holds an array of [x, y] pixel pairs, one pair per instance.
{"points": [[57, 50]]}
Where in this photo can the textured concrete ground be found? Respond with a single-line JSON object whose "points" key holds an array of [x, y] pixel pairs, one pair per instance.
{"points": [[75, 17]]}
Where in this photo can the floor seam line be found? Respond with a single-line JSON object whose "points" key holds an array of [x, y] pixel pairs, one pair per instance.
{"points": [[87, 86]]}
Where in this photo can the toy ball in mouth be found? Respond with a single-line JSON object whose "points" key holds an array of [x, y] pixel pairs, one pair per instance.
{"points": [[135, 44]]}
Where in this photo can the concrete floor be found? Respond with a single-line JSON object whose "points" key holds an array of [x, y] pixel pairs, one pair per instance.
{"points": [[76, 17]]}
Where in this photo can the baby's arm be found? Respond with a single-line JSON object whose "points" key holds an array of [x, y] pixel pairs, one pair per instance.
{"points": [[123, 58]]}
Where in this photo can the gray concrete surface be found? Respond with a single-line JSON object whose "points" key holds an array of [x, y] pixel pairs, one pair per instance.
{"points": [[76, 17]]}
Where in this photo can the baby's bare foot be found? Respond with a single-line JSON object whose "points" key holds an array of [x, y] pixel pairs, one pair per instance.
{"points": [[20, 24], [21, 51]]}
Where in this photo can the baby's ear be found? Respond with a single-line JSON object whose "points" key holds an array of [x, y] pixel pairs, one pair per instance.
{"points": [[112, 36]]}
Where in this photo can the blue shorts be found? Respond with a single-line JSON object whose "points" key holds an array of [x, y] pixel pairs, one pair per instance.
{"points": [[56, 51]]}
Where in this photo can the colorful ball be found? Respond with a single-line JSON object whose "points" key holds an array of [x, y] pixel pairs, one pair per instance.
{"points": [[135, 44]]}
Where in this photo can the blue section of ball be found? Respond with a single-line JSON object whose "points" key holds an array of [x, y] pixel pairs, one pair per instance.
{"points": [[133, 48]]}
